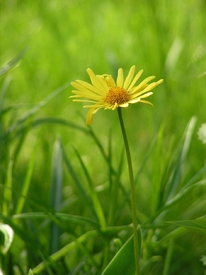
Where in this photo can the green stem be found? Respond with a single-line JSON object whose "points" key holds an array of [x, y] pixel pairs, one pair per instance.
{"points": [[168, 258], [130, 169]]}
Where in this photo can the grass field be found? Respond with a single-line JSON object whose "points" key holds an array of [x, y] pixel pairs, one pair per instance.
{"points": [[64, 187]]}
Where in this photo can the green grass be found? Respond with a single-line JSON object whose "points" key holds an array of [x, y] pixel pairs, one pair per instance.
{"points": [[64, 187]]}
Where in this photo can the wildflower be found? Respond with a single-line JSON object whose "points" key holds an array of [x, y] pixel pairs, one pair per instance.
{"points": [[105, 93], [202, 133]]}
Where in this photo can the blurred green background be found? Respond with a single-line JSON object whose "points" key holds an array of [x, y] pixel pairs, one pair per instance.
{"points": [[63, 38]]}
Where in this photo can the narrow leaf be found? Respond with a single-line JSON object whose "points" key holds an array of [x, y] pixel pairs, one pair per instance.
{"points": [[198, 225], [12, 63], [56, 194], [34, 110], [61, 216], [79, 185], [175, 176], [26, 184], [123, 262], [96, 202]]}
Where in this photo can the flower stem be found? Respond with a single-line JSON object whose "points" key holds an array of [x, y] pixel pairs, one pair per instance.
{"points": [[130, 169]]}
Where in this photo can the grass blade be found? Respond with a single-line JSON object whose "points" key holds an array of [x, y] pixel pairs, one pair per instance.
{"points": [[93, 194], [12, 63], [63, 251], [56, 194], [82, 191], [174, 179], [26, 184], [123, 261], [198, 225], [34, 110], [61, 216]]}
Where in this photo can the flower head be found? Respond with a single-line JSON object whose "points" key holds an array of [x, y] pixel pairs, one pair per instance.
{"points": [[105, 93]]}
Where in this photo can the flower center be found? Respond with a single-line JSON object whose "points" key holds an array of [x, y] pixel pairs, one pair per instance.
{"points": [[117, 95]]}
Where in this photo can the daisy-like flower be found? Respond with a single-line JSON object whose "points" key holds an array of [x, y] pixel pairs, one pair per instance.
{"points": [[105, 93]]}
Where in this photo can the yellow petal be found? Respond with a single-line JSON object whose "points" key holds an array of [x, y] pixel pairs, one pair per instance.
{"points": [[120, 78], [146, 102], [103, 83], [146, 95], [152, 86], [87, 94], [142, 85], [89, 87], [134, 100], [115, 106], [135, 80], [129, 77], [124, 105], [84, 100], [95, 81], [110, 81], [95, 105], [89, 117]]}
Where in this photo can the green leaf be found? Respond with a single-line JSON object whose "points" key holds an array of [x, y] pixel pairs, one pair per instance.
{"points": [[60, 121], [176, 172], [8, 234], [36, 108], [56, 190], [56, 194], [12, 63], [93, 193], [123, 262], [26, 183], [66, 249], [30, 272], [61, 216], [78, 183], [198, 225]]}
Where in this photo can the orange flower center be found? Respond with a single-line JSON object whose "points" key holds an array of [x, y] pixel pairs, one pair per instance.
{"points": [[117, 95]]}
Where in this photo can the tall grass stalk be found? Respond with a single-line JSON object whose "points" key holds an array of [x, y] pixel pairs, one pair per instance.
{"points": [[56, 194]]}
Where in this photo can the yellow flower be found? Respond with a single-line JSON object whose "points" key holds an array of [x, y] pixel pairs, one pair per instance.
{"points": [[105, 93]]}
